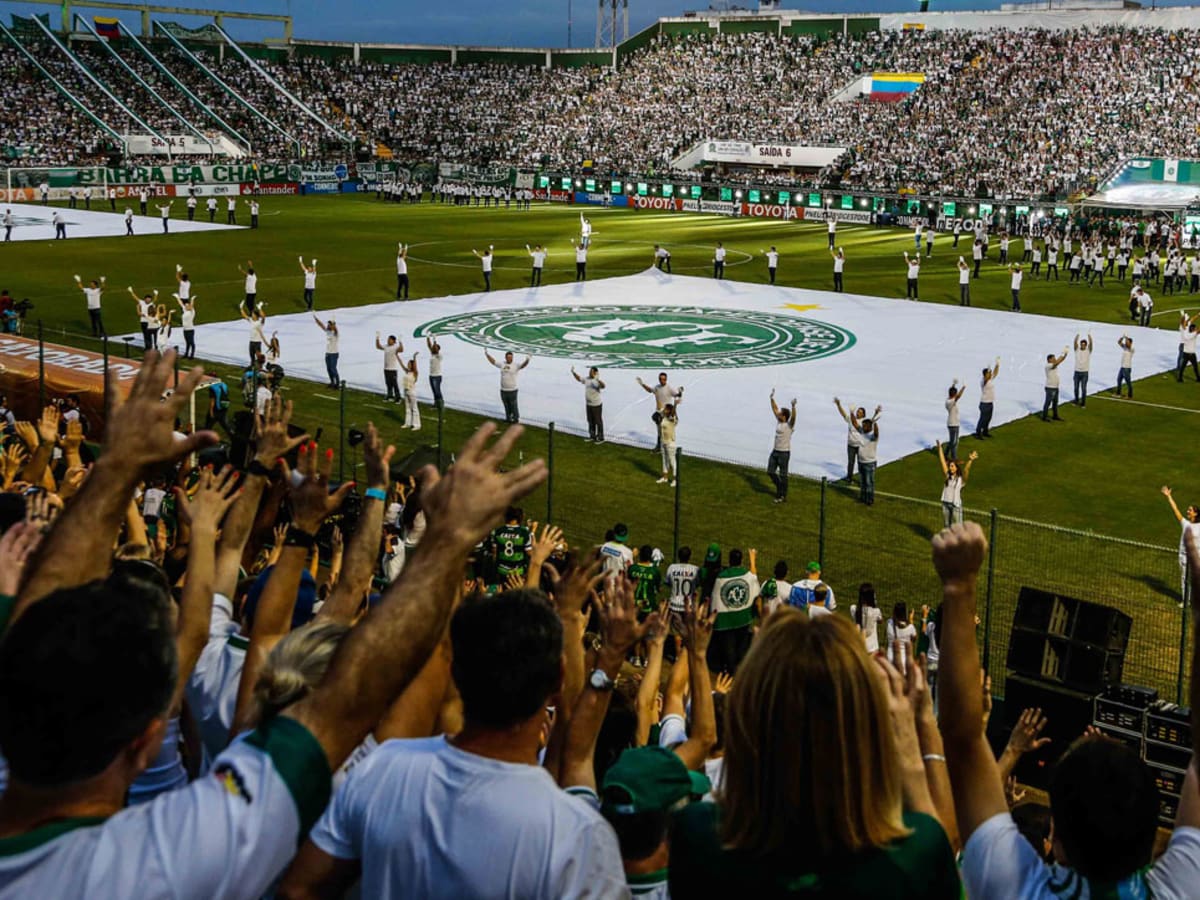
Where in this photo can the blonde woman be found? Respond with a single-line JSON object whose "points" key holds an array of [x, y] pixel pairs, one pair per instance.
{"points": [[824, 787], [668, 420], [412, 412]]}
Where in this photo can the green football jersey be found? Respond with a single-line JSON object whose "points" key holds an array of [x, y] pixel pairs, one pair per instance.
{"points": [[512, 548], [647, 581]]}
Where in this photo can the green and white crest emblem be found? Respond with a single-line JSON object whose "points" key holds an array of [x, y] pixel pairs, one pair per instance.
{"points": [[648, 337]]}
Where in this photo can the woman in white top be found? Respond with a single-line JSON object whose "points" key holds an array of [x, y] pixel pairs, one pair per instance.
{"points": [[953, 480], [866, 616], [666, 432], [187, 318], [900, 635], [412, 412], [162, 324]]}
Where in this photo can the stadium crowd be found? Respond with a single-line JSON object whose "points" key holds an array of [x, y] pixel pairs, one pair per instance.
{"points": [[1003, 113], [238, 679]]}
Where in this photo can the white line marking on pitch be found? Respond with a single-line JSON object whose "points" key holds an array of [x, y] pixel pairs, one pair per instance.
{"points": [[1144, 403]]}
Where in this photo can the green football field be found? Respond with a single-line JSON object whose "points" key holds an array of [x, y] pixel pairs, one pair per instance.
{"points": [[1097, 472]]}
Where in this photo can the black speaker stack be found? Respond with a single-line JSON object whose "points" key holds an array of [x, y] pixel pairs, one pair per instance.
{"points": [[1063, 653]]}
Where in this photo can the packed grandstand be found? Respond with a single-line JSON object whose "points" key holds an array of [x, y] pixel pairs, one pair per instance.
{"points": [[1022, 112]]}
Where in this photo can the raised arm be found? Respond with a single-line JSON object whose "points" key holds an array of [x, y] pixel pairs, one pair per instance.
{"points": [[774, 405], [644, 386], [1076, 342], [575, 375], [1166, 492], [528, 360], [792, 418], [966, 469], [378, 345], [942, 460], [383, 654], [958, 553], [215, 493], [363, 551], [139, 435], [697, 628], [842, 411]]}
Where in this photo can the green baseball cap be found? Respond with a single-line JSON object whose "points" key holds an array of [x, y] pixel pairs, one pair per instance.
{"points": [[620, 532], [654, 780], [813, 566], [714, 552], [770, 589]]}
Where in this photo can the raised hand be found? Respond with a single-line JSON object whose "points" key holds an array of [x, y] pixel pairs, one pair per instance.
{"points": [[464, 505], [72, 481], [215, 493], [376, 458], [543, 545], [140, 430], [618, 618], [47, 426], [10, 463], [28, 435], [573, 589], [515, 581], [271, 439], [958, 553], [1026, 734], [723, 683], [16, 548], [73, 438], [695, 626], [311, 501]]}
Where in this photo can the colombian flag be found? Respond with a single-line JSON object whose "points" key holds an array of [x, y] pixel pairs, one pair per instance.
{"points": [[107, 28], [890, 87]]}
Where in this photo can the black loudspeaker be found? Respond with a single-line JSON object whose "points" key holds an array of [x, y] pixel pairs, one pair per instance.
{"points": [[1067, 641], [1068, 712], [423, 456]]}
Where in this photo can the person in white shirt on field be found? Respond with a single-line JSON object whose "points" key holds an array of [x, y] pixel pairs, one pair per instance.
{"points": [[1052, 381], [231, 211], [1125, 372], [663, 393], [1189, 520], [581, 256], [331, 350], [485, 259], [987, 400], [1015, 284], [391, 365], [964, 283], [913, 267], [954, 478], [401, 272], [667, 424], [251, 286], [593, 402], [412, 410], [839, 269], [953, 422], [662, 258], [719, 261], [165, 213], [538, 255], [145, 312], [93, 293], [781, 449], [435, 371], [128, 222], [310, 282], [853, 435], [772, 256], [585, 231], [1188, 355], [1083, 365], [187, 320], [508, 384], [211, 206]]}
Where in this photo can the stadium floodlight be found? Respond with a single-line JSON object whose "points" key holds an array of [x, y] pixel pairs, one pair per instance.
{"points": [[971, 210], [578, 183], [628, 186], [799, 198], [738, 194], [863, 202]]}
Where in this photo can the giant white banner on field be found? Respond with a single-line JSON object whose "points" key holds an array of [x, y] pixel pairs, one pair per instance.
{"points": [[726, 343]]}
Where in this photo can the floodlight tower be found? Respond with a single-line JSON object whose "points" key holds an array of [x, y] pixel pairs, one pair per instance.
{"points": [[612, 22]]}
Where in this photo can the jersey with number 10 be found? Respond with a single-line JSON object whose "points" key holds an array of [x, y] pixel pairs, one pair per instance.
{"points": [[683, 579], [512, 547]]}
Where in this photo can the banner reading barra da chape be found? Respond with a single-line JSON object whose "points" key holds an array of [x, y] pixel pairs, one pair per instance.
{"points": [[222, 173]]}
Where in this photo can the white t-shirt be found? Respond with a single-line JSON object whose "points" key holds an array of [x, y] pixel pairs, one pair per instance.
{"points": [[899, 643], [185, 289], [772, 259], [427, 819], [508, 375], [1083, 360], [839, 263], [1127, 357], [664, 394], [331, 341], [1183, 529], [152, 501], [1016, 279], [1051, 375], [871, 617], [783, 436], [435, 365], [93, 297], [964, 275], [188, 317], [952, 412], [262, 399], [229, 834], [914, 268], [719, 254], [591, 392], [869, 450], [998, 862], [251, 284], [486, 259], [539, 258], [952, 490], [617, 557], [310, 279], [401, 265], [391, 359], [581, 254], [683, 579]]}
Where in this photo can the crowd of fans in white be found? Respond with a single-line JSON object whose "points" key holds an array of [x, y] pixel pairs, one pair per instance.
{"points": [[239, 700], [1003, 113]]}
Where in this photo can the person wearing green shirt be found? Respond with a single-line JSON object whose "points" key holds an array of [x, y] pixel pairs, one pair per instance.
{"points": [[647, 585], [733, 598], [512, 542]]}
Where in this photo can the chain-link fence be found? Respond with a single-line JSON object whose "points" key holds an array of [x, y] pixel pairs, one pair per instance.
{"points": [[886, 544]]}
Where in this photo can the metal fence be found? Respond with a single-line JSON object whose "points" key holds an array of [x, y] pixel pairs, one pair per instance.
{"points": [[886, 545]]}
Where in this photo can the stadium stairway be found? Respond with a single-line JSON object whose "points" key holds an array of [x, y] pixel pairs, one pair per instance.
{"points": [[223, 85]]}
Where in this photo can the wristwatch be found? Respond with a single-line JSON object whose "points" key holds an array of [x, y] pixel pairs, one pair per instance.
{"points": [[599, 681]]}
